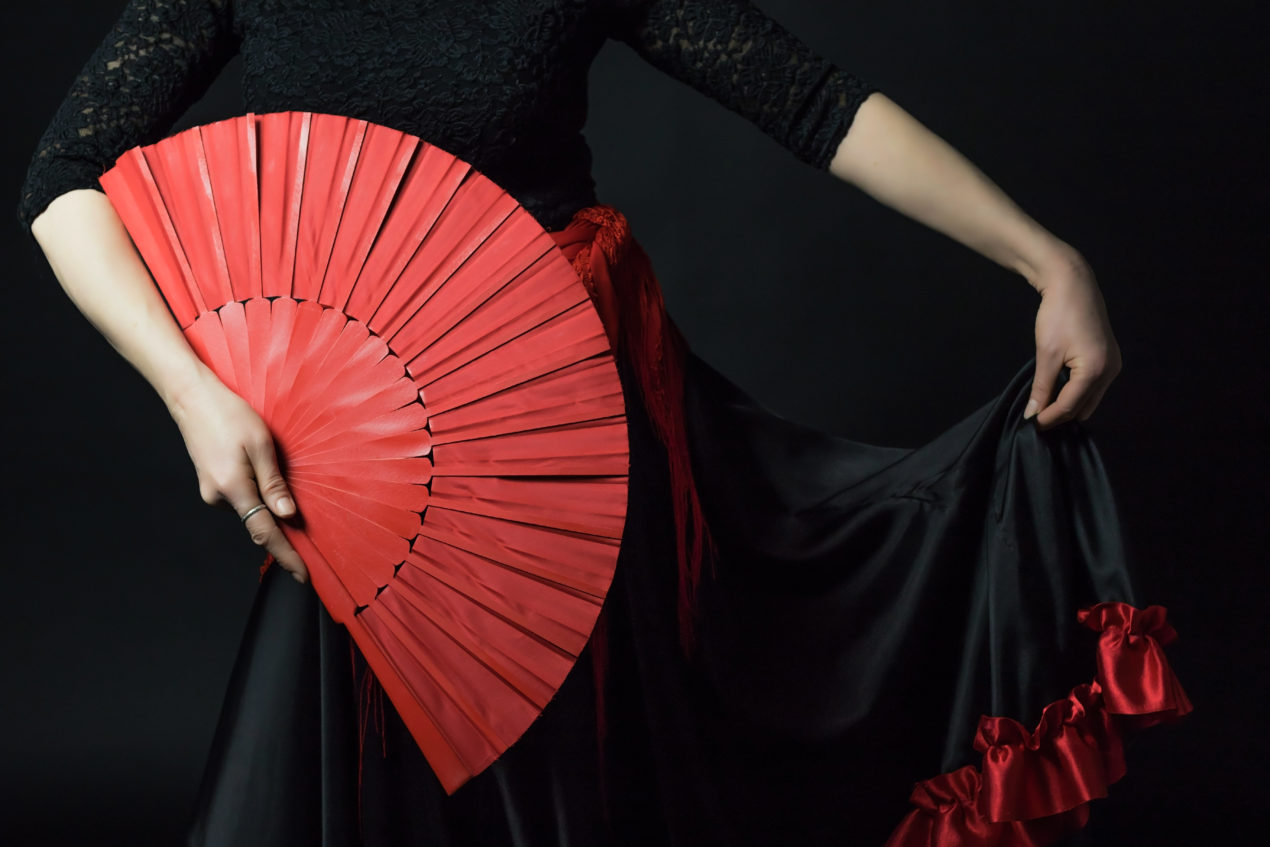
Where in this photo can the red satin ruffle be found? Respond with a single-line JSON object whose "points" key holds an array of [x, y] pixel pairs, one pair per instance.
{"points": [[1032, 788]]}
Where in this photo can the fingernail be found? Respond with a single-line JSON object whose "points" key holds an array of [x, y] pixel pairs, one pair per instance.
{"points": [[297, 577], [1030, 410], [284, 504]]}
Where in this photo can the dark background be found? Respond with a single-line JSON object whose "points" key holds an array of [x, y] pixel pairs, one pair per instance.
{"points": [[1136, 132]]}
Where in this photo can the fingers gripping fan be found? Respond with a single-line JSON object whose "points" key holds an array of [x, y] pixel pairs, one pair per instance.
{"points": [[440, 388]]}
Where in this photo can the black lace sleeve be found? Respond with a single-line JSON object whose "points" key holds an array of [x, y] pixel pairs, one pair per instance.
{"points": [[736, 54], [158, 58]]}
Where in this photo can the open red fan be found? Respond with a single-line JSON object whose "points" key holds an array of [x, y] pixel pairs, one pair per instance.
{"points": [[443, 396]]}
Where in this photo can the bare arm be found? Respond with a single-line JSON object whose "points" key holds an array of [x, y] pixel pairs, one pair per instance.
{"points": [[899, 162], [94, 260], [834, 120]]}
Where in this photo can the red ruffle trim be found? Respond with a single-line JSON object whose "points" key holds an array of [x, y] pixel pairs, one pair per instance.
{"points": [[1033, 788]]}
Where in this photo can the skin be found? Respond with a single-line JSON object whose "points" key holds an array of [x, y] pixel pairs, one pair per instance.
{"points": [[95, 261], [886, 153], [899, 162]]}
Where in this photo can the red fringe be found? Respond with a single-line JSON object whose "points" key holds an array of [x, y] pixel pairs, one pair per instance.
{"points": [[370, 703], [1033, 788], [599, 664], [619, 275]]}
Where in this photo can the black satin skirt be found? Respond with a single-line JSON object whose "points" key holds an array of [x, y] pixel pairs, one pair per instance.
{"points": [[868, 604]]}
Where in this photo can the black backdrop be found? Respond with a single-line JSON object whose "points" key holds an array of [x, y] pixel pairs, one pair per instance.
{"points": [[1137, 132]]}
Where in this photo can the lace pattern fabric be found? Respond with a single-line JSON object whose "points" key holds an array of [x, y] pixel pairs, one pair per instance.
{"points": [[741, 57], [502, 84], [158, 58]]}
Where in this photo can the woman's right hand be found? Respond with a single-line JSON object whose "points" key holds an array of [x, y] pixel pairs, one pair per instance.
{"points": [[95, 260], [237, 465]]}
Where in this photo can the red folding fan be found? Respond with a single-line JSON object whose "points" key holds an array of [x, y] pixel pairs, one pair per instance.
{"points": [[445, 403]]}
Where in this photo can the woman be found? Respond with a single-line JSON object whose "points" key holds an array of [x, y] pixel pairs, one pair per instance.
{"points": [[797, 715]]}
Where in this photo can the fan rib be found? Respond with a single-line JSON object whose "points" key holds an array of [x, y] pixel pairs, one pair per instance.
{"points": [[522, 546], [425, 191], [479, 632], [523, 600], [442, 753], [444, 676], [382, 159]]}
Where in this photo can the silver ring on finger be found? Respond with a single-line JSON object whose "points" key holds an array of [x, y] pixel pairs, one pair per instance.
{"points": [[253, 511]]}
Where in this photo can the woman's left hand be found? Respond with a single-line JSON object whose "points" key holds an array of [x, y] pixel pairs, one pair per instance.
{"points": [[1072, 329]]}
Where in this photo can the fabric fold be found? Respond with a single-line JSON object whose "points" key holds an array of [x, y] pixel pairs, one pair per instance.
{"points": [[1071, 757], [948, 814], [1032, 788], [1137, 682]]}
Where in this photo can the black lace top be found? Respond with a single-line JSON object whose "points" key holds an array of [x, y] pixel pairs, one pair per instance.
{"points": [[500, 83]]}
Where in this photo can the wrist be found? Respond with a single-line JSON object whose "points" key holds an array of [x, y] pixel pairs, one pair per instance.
{"points": [[177, 386], [1045, 258]]}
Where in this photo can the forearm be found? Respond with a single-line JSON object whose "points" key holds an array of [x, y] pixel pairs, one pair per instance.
{"points": [[95, 261], [896, 160]]}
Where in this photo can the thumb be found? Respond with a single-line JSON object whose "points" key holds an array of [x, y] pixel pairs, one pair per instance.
{"points": [[273, 488], [1042, 384]]}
